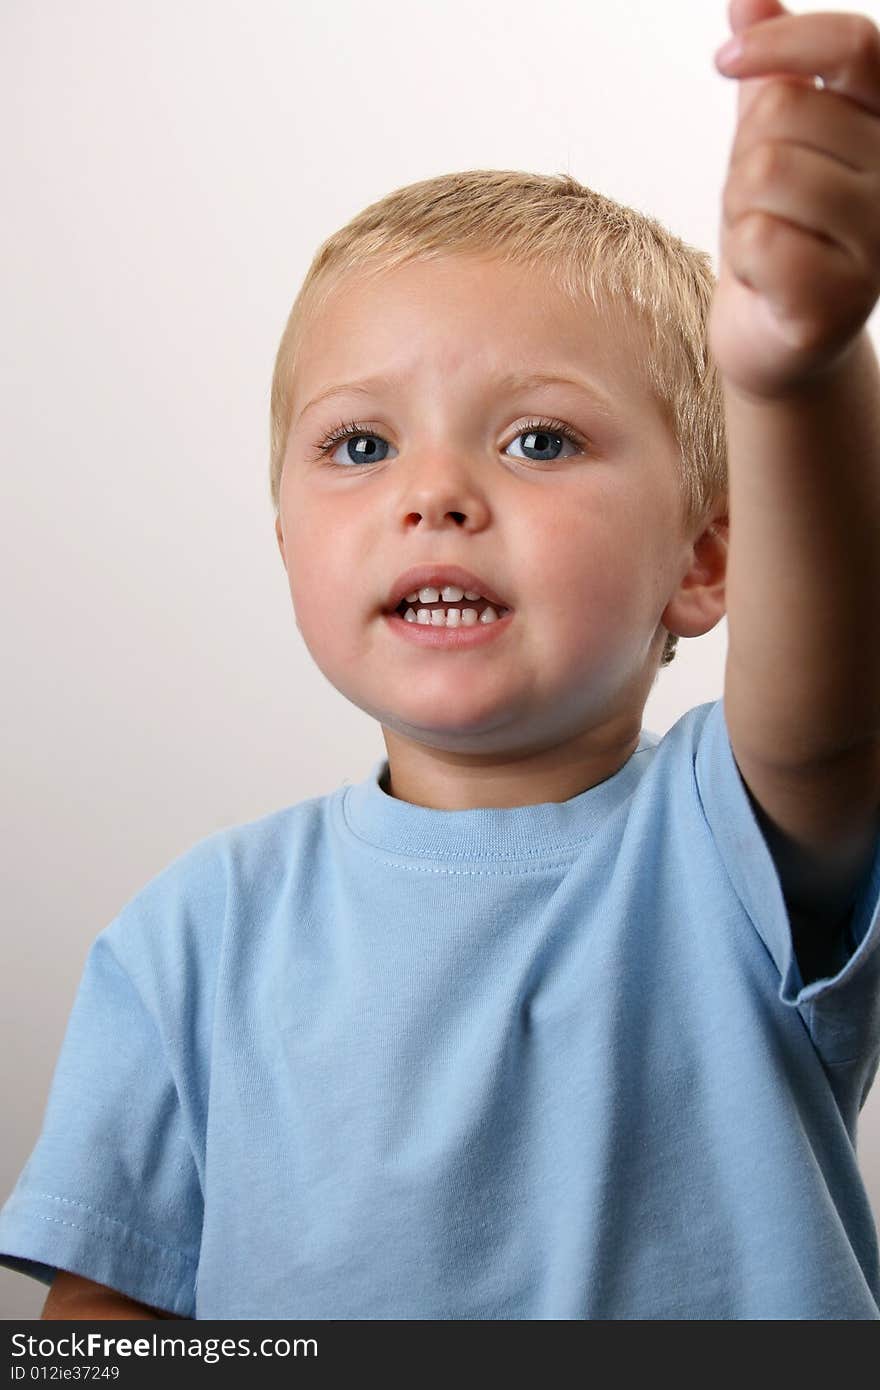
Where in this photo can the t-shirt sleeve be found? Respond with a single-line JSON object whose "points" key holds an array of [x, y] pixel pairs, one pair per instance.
{"points": [[111, 1191], [840, 1011]]}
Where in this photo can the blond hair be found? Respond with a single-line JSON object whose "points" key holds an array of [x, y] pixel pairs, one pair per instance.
{"points": [[621, 260]]}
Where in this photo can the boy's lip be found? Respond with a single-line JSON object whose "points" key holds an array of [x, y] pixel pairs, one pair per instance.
{"points": [[436, 576]]}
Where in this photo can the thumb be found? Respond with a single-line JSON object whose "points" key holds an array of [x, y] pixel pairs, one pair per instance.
{"points": [[742, 14]]}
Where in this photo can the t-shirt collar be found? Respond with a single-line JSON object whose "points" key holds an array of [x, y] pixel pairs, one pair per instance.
{"points": [[541, 831]]}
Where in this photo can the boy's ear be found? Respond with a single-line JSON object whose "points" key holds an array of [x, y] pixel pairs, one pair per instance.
{"points": [[699, 602], [280, 537]]}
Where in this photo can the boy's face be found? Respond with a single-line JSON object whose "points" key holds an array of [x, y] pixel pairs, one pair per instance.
{"points": [[583, 540]]}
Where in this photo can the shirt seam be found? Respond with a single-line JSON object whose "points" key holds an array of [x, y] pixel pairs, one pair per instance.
{"points": [[473, 873], [103, 1216]]}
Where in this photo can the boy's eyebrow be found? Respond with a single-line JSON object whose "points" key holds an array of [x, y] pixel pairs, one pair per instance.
{"points": [[511, 381]]}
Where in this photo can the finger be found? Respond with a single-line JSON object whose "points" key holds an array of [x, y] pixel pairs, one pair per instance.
{"points": [[821, 121], [810, 192], [749, 91], [842, 49], [809, 284]]}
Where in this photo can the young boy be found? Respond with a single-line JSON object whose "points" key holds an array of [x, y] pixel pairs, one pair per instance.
{"points": [[548, 1017]]}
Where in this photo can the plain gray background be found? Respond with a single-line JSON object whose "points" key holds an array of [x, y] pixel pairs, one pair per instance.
{"points": [[169, 170]]}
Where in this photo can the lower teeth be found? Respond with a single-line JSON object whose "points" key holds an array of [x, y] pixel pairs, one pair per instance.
{"points": [[452, 617]]}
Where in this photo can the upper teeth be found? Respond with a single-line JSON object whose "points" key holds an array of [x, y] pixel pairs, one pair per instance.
{"points": [[449, 595]]}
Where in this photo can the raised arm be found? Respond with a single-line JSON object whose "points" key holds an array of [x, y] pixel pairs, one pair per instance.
{"points": [[799, 277]]}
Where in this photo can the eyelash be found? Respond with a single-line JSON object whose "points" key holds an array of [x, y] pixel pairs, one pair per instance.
{"points": [[352, 428]]}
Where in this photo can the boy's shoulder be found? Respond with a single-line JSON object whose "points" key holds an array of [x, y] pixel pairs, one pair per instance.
{"points": [[184, 905], [669, 762], [687, 730]]}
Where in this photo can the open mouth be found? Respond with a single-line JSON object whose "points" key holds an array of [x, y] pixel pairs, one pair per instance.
{"points": [[478, 605]]}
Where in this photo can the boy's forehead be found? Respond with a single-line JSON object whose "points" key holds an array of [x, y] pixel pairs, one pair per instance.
{"points": [[469, 320], [441, 299]]}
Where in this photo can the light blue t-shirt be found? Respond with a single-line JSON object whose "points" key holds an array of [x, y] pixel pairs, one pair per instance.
{"points": [[365, 1059]]}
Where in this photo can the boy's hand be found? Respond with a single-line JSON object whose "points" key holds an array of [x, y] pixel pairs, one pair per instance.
{"points": [[799, 270]]}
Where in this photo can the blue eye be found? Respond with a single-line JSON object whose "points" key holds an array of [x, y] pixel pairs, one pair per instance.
{"points": [[365, 450], [543, 436]]}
